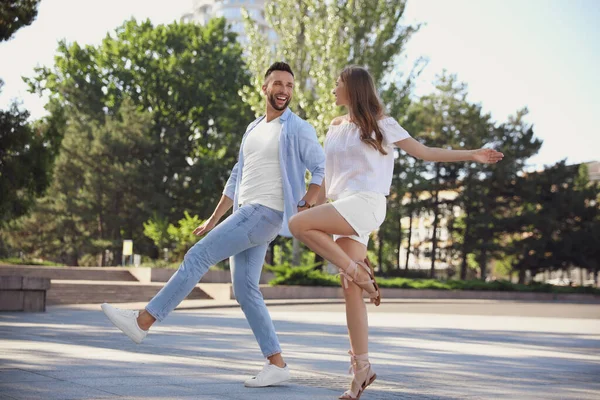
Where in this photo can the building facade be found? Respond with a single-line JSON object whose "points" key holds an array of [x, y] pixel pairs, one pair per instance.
{"points": [[204, 10]]}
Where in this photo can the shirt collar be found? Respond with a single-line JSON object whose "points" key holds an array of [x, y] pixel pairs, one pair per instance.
{"points": [[285, 114]]}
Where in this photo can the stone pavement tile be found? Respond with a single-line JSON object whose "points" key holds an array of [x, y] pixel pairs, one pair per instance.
{"points": [[288, 392], [50, 391], [166, 397], [89, 371], [164, 379], [19, 375], [151, 391]]}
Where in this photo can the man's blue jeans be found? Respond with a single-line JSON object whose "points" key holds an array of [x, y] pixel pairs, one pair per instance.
{"points": [[244, 236]]}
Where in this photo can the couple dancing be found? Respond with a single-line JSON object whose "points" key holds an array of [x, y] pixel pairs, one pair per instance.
{"points": [[267, 190]]}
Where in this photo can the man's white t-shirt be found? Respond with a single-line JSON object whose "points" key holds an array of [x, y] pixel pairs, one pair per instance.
{"points": [[261, 175]]}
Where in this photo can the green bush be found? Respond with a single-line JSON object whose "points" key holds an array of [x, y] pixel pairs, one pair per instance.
{"points": [[308, 276], [19, 261], [88, 260], [285, 274], [178, 238]]}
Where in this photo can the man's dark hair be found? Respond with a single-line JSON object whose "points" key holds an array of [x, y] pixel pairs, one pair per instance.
{"points": [[279, 66]]}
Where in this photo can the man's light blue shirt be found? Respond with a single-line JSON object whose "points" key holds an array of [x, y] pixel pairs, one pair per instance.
{"points": [[299, 150]]}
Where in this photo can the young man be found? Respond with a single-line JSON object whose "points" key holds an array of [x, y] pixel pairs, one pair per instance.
{"points": [[266, 188]]}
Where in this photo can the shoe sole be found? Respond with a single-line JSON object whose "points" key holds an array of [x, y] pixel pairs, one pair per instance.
{"points": [[106, 309], [362, 389]]}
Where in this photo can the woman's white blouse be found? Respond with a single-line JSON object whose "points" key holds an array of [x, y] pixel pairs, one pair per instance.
{"points": [[354, 165]]}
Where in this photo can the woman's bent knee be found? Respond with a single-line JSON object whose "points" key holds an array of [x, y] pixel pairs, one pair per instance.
{"points": [[296, 225]]}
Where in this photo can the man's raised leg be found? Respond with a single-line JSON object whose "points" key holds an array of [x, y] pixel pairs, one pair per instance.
{"points": [[226, 239]]}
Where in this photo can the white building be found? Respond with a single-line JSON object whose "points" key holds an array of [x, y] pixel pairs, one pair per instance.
{"points": [[203, 10]]}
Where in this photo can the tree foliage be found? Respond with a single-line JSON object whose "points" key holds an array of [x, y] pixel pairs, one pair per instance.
{"points": [[15, 14]]}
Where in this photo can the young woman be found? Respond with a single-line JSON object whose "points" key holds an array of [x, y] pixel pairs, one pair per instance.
{"points": [[359, 164]]}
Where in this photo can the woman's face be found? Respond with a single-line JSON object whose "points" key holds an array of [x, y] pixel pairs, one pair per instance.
{"points": [[341, 93]]}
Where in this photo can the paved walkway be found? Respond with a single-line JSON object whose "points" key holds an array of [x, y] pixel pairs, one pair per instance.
{"points": [[427, 353]]}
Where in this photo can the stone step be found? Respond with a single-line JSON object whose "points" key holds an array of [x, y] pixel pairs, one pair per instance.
{"points": [[97, 292], [78, 273]]}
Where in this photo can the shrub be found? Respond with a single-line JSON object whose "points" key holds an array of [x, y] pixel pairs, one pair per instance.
{"points": [[308, 276]]}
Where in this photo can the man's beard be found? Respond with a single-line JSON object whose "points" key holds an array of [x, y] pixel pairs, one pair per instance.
{"points": [[273, 102]]}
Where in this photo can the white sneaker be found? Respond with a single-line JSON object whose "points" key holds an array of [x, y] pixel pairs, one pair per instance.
{"points": [[270, 375], [126, 321]]}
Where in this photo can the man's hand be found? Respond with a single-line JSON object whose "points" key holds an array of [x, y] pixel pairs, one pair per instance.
{"points": [[206, 227], [304, 204]]}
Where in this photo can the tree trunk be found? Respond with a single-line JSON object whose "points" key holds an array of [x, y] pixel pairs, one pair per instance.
{"points": [[436, 220], [465, 252], [483, 265], [434, 239], [380, 250], [100, 221], [399, 243], [320, 260], [410, 222], [296, 251], [522, 276], [270, 256]]}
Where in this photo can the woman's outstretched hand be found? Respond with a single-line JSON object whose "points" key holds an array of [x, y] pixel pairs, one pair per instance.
{"points": [[487, 156]]}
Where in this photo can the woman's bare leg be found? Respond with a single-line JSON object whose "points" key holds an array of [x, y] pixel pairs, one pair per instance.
{"points": [[356, 309], [314, 228]]}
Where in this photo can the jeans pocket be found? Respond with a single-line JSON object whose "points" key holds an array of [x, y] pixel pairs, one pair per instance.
{"points": [[264, 231]]}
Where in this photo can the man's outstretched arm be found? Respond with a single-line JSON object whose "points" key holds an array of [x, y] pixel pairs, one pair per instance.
{"points": [[224, 204]]}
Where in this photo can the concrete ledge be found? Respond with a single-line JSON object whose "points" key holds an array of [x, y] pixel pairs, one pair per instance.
{"points": [[78, 273], [129, 274], [484, 295], [224, 292], [211, 276], [301, 292], [218, 291], [19, 293], [142, 274], [86, 292], [316, 292]]}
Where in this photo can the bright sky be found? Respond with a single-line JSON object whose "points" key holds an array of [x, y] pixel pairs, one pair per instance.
{"points": [[543, 54]]}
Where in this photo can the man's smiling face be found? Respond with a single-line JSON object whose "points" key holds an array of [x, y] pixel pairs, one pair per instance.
{"points": [[279, 88]]}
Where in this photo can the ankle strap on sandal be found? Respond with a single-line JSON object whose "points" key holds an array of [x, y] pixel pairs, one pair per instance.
{"points": [[354, 361]]}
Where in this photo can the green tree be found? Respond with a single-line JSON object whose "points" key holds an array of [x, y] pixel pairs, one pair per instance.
{"points": [[23, 159], [444, 119], [15, 14], [187, 77], [557, 223], [318, 38], [24, 156], [98, 196], [489, 193], [182, 80]]}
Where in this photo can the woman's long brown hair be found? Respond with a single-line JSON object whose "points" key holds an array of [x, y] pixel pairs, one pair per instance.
{"points": [[365, 107]]}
